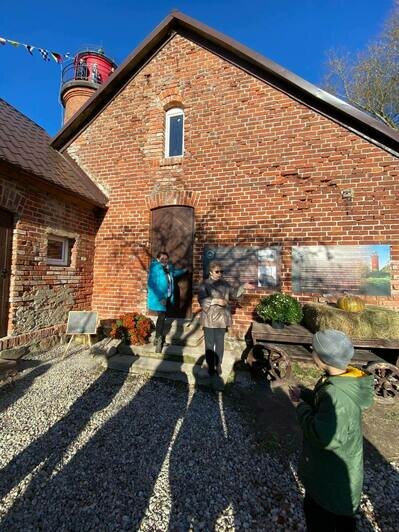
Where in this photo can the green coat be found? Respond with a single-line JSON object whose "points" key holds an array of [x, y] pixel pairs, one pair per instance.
{"points": [[331, 465]]}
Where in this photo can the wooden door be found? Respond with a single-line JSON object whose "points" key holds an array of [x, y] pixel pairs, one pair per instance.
{"points": [[6, 228], [173, 232]]}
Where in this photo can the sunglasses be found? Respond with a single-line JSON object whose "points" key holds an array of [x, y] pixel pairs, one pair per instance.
{"points": [[217, 271]]}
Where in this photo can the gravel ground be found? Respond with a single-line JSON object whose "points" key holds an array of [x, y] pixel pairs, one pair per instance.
{"points": [[85, 450]]}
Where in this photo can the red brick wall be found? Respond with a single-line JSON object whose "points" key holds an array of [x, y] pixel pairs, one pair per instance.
{"points": [[41, 295], [265, 170]]}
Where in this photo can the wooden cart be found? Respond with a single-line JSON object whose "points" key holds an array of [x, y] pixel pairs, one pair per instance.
{"points": [[277, 347]]}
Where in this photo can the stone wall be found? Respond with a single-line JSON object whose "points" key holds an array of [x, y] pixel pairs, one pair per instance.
{"points": [[264, 169], [42, 294]]}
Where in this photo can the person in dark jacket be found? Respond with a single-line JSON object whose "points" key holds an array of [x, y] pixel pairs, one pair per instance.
{"points": [[213, 296], [161, 292], [331, 465]]}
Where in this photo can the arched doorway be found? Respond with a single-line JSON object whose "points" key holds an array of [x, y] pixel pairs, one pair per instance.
{"points": [[172, 230]]}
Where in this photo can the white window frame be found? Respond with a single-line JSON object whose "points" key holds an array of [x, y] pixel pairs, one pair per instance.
{"points": [[65, 250], [175, 111]]}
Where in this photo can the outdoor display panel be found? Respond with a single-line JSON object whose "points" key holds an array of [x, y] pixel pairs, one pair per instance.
{"points": [[335, 269], [258, 266], [82, 322]]}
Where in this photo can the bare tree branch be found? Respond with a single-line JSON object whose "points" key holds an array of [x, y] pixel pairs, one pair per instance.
{"points": [[370, 79]]}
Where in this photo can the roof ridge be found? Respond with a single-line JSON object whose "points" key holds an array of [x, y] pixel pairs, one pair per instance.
{"points": [[243, 57]]}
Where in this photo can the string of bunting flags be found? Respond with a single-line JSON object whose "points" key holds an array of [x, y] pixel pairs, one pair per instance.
{"points": [[45, 54]]}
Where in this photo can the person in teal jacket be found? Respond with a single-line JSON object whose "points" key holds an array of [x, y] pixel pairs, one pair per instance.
{"points": [[160, 292], [331, 465]]}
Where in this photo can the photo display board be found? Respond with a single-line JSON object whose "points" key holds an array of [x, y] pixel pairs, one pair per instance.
{"points": [[82, 322], [258, 266], [336, 269]]}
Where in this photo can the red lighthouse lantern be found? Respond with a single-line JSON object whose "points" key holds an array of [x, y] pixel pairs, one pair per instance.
{"points": [[82, 76]]}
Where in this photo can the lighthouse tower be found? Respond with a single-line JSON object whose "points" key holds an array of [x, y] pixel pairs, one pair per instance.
{"points": [[375, 262], [81, 77]]}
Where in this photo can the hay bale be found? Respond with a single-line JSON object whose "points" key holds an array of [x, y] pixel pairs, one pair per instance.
{"points": [[372, 322]]}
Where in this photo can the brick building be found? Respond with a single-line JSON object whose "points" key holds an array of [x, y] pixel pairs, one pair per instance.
{"points": [[200, 143], [49, 215]]}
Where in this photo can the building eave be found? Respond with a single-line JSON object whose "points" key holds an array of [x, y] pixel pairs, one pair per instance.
{"points": [[256, 64]]}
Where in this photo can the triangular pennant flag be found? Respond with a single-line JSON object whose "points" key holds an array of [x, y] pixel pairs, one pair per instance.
{"points": [[44, 54], [57, 57]]}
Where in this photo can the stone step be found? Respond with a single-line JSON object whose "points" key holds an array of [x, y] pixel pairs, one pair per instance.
{"points": [[179, 352], [183, 332], [107, 347], [13, 353], [184, 372], [176, 353]]}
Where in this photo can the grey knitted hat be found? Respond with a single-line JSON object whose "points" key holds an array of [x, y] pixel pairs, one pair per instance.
{"points": [[333, 348]]}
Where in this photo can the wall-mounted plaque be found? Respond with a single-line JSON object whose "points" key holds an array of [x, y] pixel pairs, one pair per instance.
{"points": [[258, 266], [336, 269]]}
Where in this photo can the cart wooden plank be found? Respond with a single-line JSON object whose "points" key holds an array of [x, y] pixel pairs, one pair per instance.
{"points": [[298, 352], [291, 334], [297, 334]]}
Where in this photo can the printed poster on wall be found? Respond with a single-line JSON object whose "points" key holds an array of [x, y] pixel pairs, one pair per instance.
{"points": [[335, 269], [258, 266]]}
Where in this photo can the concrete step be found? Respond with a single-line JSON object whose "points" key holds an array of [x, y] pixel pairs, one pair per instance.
{"points": [[107, 347], [190, 373], [179, 353], [183, 332]]}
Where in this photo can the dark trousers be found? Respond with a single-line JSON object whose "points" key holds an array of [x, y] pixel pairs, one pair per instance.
{"points": [[159, 325], [214, 347], [320, 520]]}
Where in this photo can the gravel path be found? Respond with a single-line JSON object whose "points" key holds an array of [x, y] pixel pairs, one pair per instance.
{"points": [[85, 450]]}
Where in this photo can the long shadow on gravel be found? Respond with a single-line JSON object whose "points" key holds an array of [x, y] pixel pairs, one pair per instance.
{"points": [[11, 392], [217, 474], [49, 449], [381, 485], [108, 483]]}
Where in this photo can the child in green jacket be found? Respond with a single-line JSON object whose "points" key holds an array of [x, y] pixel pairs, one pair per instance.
{"points": [[331, 465]]}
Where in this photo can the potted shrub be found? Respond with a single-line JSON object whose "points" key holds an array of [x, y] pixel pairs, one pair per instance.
{"points": [[132, 328], [280, 309]]}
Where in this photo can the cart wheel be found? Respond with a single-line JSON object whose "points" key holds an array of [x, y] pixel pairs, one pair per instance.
{"points": [[386, 381], [271, 359], [279, 362]]}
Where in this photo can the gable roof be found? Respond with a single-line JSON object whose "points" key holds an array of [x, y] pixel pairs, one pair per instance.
{"points": [[243, 57], [24, 145]]}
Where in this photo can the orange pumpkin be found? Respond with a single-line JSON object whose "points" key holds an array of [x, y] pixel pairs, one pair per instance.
{"points": [[350, 303]]}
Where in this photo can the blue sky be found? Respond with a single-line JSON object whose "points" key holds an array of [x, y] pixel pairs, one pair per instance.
{"points": [[294, 33]]}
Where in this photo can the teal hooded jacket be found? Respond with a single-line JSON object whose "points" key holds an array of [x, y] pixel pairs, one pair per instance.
{"points": [[158, 285], [331, 464]]}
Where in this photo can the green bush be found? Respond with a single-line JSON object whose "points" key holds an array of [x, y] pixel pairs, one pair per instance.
{"points": [[279, 307]]}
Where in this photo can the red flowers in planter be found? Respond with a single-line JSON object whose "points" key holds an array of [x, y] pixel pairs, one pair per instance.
{"points": [[133, 328]]}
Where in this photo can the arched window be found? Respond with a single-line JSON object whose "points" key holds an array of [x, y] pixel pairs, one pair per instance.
{"points": [[174, 132]]}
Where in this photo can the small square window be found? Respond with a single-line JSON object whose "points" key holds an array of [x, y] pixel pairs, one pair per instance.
{"points": [[59, 250]]}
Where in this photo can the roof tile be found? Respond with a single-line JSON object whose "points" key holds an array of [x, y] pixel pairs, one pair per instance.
{"points": [[26, 145]]}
